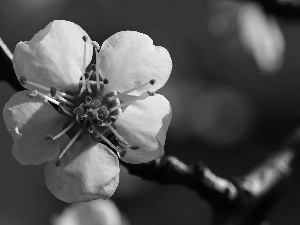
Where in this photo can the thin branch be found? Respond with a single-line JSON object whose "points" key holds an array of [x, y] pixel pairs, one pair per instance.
{"points": [[5, 49], [170, 170], [6, 67]]}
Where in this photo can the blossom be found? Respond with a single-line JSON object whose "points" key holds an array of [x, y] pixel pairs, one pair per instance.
{"points": [[78, 116], [258, 32], [97, 212]]}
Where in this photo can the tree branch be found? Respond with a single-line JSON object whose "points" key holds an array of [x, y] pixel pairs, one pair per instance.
{"points": [[286, 9], [6, 67]]}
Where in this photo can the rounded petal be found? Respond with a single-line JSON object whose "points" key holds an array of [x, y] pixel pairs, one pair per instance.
{"points": [[29, 120], [145, 123], [129, 59], [98, 212], [54, 56], [89, 171]]}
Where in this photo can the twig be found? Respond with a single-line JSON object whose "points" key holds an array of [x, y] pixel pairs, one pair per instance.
{"points": [[6, 68], [5, 49]]}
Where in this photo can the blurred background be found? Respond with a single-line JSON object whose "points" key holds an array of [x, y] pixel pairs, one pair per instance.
{"points": [[234, 90]]}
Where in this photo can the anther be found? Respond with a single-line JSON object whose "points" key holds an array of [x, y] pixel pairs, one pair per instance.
{"points": [[151, 93], [23, 80], [91, 114], [32, 94], [113, 119], [118, 136], [100, 122], [51, 138], [48, 138], [152, 81], [79, 111], [53, 91], [106, 140], [71, 142], [105, 81], [88, 100], [84, 38], [134, 147], [91, 129], [58, 162], [92, 66], [86, 75], [122, 153]]}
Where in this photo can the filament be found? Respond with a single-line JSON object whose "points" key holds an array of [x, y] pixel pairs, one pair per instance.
{"points": [[131, 90], [49, 137], [142, 96]]}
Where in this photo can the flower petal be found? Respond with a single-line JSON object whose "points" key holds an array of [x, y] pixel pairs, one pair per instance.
{"points": [[29, 120], [88, 171], [145, 123], [129, 58], [54, 56]]}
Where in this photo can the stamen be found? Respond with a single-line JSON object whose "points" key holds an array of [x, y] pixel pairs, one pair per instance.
{"points": [[107, 141], [84, 58], [134, 147], [96, 102], [142, 96], [65, 95], [84, 38], [51, 138], [97, 70], [64, 100], [69, 145], [85, 83], [32, 94], [23, 81], [53, 91], [152, 82], [122, 140], [82, 88], [118, 135], [65, 111], [48, 98], [88, 100], [113, 119], [79, 111]]}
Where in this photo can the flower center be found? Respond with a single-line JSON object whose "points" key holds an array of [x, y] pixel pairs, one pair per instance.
{"points": [[90, 111]]}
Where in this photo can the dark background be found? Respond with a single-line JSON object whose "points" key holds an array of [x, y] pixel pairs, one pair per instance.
{"points": [[226, 112]]}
